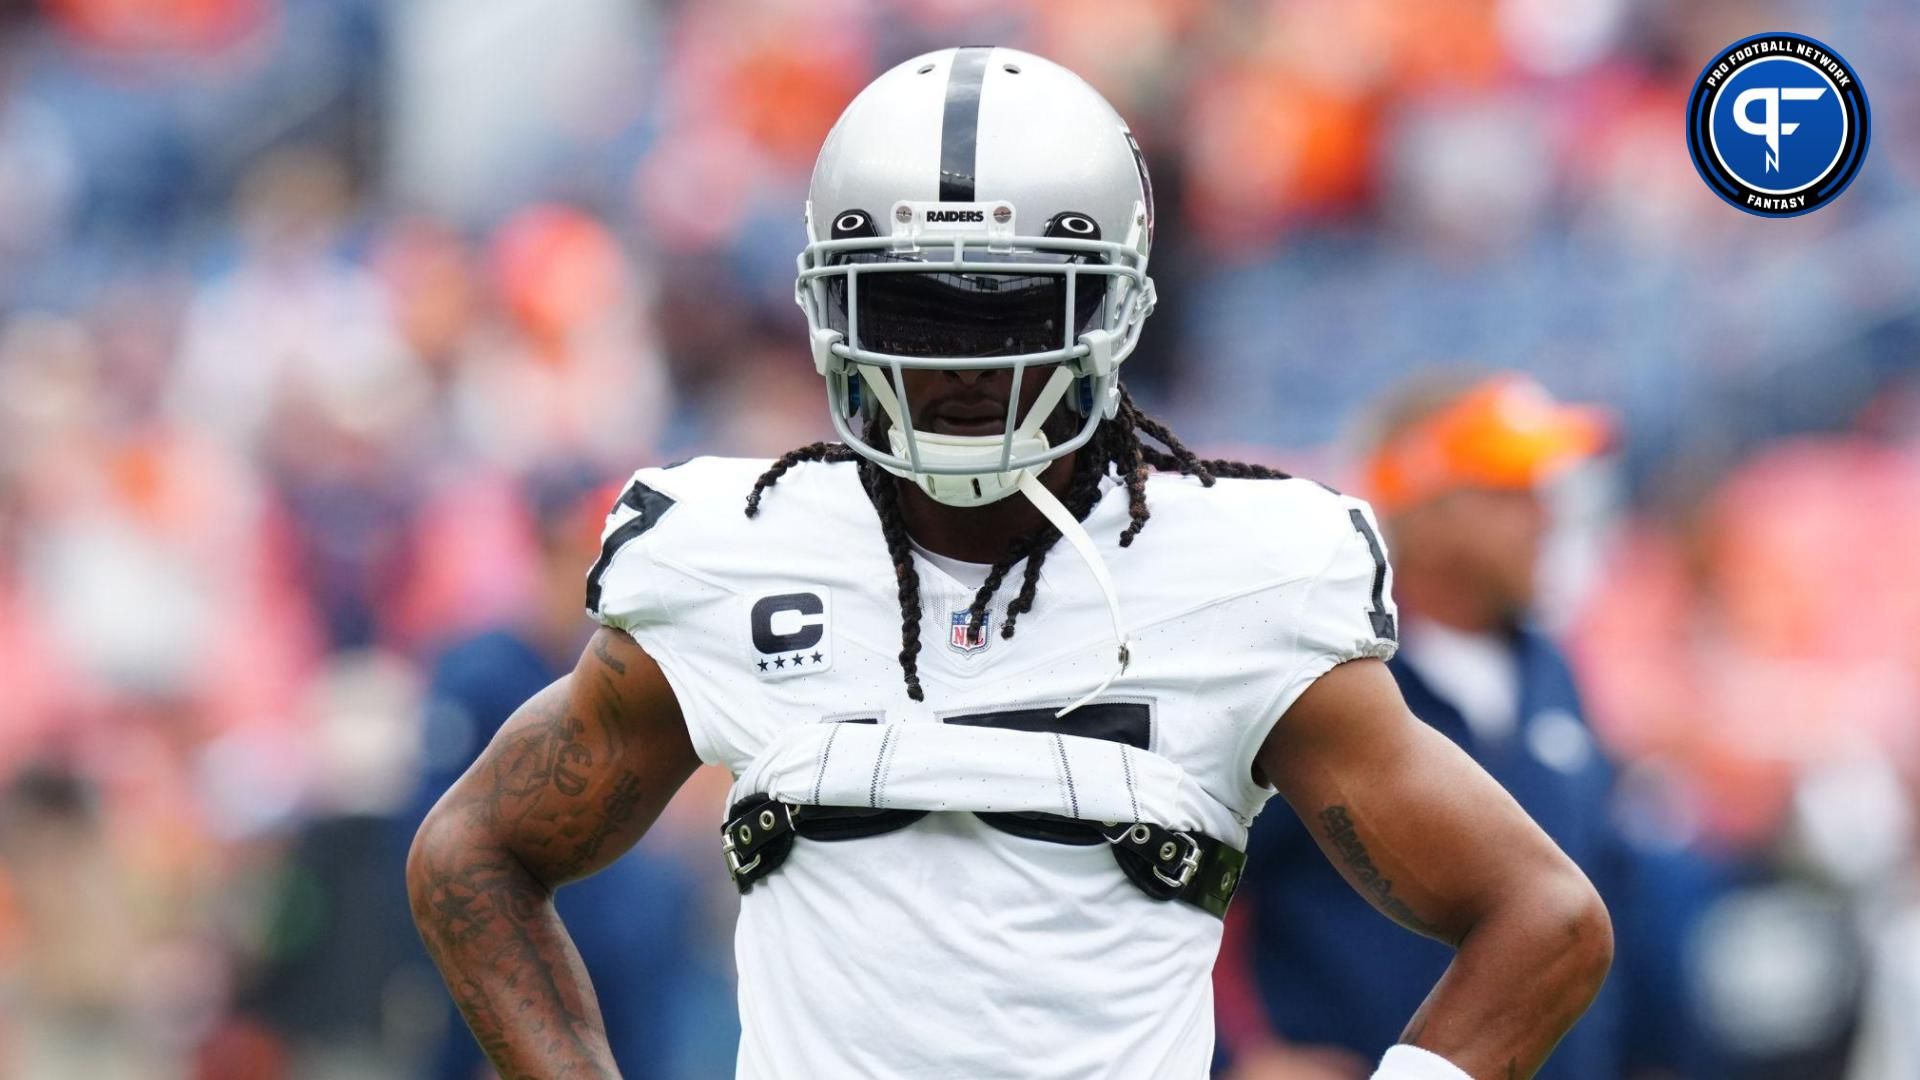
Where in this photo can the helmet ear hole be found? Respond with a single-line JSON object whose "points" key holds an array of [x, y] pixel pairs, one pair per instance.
{"points": [[1072, 225], [851, 224]]}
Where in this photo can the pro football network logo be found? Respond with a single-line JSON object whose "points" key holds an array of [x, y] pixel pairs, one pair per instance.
{"points": [[1778, 124], [964, 638]]}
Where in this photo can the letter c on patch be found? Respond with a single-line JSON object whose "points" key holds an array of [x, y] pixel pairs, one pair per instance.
{"points": [[802, 626]]}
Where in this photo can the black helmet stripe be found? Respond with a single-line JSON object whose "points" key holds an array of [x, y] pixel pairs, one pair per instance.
{"points": [[960, 125]]}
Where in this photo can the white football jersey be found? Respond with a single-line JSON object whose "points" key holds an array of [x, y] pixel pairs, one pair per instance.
{"points": [[951, 948]]}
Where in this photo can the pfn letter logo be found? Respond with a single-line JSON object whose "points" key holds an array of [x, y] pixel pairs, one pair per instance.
{"points": [[1769, 127]]}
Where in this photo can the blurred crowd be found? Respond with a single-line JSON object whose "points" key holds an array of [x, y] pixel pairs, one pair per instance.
{"points": [[325, 326]]}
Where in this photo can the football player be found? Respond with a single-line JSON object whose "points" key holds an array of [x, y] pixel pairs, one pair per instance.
{"points": [[991, 796]]}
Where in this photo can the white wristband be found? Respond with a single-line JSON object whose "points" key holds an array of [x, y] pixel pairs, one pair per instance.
{"points": [[1403, 1062]]}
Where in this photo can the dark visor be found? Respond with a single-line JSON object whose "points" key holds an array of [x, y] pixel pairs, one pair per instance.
{"points": [[966, 314]]}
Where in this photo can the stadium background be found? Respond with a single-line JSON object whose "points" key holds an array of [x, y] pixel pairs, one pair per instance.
{"points": [[323, 323]]}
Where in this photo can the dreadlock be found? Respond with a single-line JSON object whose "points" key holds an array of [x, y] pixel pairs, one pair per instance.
{"points": [[1115, 447]]}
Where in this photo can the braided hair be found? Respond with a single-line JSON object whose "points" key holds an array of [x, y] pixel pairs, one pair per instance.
{"points": [[1115, 447]]}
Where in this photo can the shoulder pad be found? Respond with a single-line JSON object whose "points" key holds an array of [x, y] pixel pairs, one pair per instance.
{"points": [[698, 486]]}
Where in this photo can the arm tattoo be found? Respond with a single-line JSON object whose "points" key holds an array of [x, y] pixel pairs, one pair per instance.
{"points": [[570, 756], [1340, 831], [610, 709], [543, 806], [549, 754], [606, 656], [616, 809], [488, 912]]}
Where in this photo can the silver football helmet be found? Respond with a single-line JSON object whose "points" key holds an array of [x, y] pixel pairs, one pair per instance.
{"points": [[975, 208]]}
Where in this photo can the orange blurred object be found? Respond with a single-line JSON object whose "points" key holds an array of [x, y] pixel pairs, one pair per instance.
{"points": [[1507, 433], [1775, 634], [556, 268], [242, 1050], [429, 274], [1808, 550], [1265, 145], [785, 99], [1442, 46], [158, 24]]}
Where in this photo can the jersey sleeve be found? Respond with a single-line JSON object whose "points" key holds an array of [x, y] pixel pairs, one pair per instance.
{"points": [[645, 583], [623, 586], [1343, 611], [1346, 611]]}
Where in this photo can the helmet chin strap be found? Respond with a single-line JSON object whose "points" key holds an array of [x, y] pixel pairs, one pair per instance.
{"points": [[980, 482], [990, 485]]}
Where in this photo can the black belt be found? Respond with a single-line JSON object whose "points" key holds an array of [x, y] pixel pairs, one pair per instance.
{"points": [[1166, 864]]}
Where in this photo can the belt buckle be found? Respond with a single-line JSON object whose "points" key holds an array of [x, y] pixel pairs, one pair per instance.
{"points": [[734, 866], [728, 847], [1189, 863]]}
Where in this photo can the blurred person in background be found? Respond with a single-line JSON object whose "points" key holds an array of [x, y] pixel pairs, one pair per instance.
{"points": [[325, 876], [68, 930], [295, 324], [292, 358], [1755, 653], [641, 922], [1455, 464], [571, 371]]}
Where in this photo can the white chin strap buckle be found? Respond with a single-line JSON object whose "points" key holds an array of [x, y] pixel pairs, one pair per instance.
{"points": [[974, 489], [969, 465]]}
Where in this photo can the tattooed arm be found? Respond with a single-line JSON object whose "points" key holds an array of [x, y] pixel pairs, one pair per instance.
{"points": [[1433, 842], [570, 782]]}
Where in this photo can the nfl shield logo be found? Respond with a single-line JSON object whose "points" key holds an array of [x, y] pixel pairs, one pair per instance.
{"points": [[963, 637]]}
